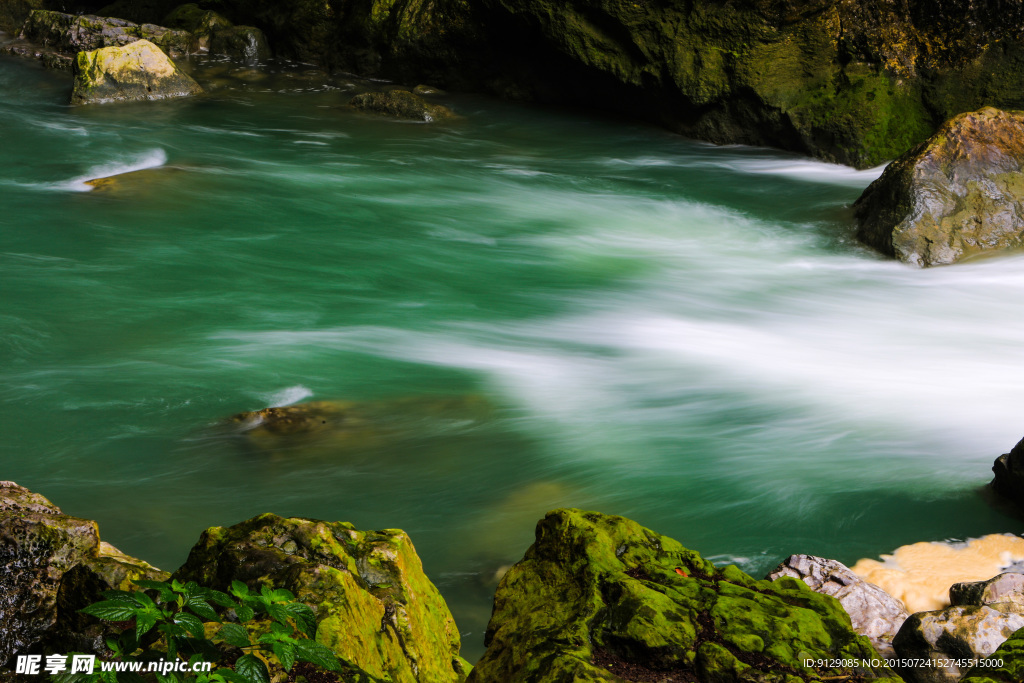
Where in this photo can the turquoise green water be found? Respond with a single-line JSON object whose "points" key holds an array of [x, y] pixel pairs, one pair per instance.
{"points": [[626, 321]]}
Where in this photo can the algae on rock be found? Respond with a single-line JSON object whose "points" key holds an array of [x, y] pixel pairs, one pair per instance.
{"points": [[138, 71], [597, 596], [959, 194], [375, 607]]}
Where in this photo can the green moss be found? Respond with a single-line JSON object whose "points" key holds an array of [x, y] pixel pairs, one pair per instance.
{"points": [[595, 588], [1011, 653]]}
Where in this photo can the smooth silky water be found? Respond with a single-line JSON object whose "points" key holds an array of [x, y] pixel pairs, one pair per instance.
{"points": [[538, 309]]}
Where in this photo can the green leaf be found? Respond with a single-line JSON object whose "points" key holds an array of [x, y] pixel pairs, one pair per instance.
{"points": [[111, 610], [285, 654], [162, 587], [201, 607], [282, 595], [234, 634], [233, 676], [120, 596], [219, 598], [191, 623], [304, 617], [239, 589], [278, 613], [172, 629], [143, 623], [253, 669], [317, 654], [245, 613]]}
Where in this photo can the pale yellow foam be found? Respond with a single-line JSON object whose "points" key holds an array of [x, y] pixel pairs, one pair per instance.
{"points": [[920, 574]]}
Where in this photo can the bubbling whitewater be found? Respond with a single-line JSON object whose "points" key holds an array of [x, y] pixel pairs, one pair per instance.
{"points": [[681, 334]]}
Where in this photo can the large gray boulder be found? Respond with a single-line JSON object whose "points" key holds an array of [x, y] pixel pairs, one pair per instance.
{"points": [[135, 72], [873, 612], [955, 633], [958, 194], [52, 565]]}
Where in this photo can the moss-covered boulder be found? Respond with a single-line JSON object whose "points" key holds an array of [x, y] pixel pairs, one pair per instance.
{"points": [[13, 13], [957, 195], [400, 104], [138, 71], [374, 606], [52, 565], [70, 33], [244, 42], [600, 598], [1005, 665]]}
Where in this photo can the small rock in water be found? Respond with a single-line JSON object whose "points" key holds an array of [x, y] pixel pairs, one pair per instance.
{"points": [[873, 612], [401, 104], [427, 90], [245, 42], [139, 71], [349, 425]]}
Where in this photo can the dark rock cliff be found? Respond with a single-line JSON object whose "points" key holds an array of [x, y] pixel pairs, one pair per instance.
{"points": [[853, 81]]}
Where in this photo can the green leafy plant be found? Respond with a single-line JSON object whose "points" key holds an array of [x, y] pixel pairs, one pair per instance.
{"points": [[170, 622]]}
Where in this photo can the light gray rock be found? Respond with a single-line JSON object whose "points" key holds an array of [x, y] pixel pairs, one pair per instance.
{"points": [[955, 633], [1007, 587], [873, 612]]}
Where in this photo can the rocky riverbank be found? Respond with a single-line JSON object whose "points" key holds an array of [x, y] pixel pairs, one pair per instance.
{"points": [[596, 598], [853, 82]]}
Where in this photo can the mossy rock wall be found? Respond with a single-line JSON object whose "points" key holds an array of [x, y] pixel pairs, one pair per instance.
{"points": [[375, 607], [600, 598], [852, 81]]}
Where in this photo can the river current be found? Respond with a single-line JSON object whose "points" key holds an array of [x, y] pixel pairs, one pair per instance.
{"points": [[528, 308]]}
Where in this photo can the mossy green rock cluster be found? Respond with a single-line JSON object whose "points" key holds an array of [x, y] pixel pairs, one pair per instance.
{"points": [[135, 72], [600, 598], [71, 33], [375, 607], [1011, 654], [957, 195], [52, 565], [212, 32], [400, 104]]}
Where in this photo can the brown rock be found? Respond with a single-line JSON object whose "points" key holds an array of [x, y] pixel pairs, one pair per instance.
{"points": [[957, 195]]}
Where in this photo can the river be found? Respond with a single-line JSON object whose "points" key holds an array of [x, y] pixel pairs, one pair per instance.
{"points": [[528, 308]]}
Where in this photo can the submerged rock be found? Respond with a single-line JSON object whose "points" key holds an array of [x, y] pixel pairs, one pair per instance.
{"points": [[1009, 475], [139, 71], [921, 574], [600, 598], [348, 425], [374, 606], [52, 565], [873, 612], [958, 194], [400, 104], [955, 633], [70, 33]]}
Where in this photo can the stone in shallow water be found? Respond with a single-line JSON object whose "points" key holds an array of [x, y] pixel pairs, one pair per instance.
{"points": [[400, 104], [138, 71], [921, 574], [341, 426], [1009, 475], [874, 613], [72, 33], [1002, 588], [958, 194]]}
